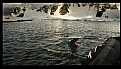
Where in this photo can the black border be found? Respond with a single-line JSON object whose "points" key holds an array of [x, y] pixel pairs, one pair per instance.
{"points": [[58, 1], [59, 66]]}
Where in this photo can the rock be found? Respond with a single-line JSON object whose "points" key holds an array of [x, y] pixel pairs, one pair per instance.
{"points": [[64, 9]]}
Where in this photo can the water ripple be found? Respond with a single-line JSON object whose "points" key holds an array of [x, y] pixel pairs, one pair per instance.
{"points": [[46, 42]]}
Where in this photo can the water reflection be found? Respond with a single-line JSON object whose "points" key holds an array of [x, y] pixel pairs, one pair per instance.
{"points": [[57, 26]]}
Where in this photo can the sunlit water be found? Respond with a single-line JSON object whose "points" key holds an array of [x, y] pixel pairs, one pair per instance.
{"points": [[45, 42]]}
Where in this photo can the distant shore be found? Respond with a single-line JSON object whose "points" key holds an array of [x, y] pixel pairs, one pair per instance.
{"points": [[17, 20]]}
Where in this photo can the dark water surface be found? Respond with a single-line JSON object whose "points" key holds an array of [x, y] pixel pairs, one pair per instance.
{"points": [[45, 42]]}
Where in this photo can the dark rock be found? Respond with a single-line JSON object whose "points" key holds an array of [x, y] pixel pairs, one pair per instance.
{"points": [[21, 15], [99, 13]]}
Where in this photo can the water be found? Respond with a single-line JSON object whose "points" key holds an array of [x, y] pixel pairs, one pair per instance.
{"points": [[45, 42]]}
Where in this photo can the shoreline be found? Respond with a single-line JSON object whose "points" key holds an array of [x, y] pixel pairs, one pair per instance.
{"points": [[18, 20]]}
